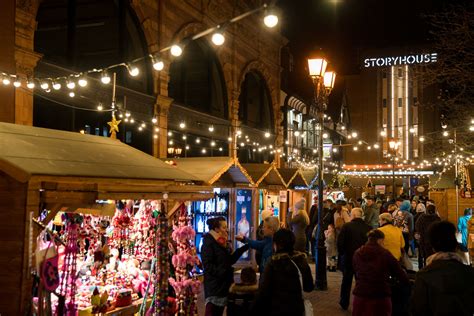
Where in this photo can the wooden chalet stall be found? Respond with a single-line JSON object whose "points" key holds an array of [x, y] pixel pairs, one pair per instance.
{"points": [[55, 170], [233, 197], [269, 183], [297, 188]]}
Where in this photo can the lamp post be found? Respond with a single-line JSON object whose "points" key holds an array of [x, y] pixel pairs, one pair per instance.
{"points": [[393, 147], [323, 82]]}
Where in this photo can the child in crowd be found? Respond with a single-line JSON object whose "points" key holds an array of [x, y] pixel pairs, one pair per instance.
{"points": [[242, 295], [331, 250]]}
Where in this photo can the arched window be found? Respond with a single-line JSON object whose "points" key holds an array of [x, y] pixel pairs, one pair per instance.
{"points": [[75, 36], [255, 104], [197, 81]]}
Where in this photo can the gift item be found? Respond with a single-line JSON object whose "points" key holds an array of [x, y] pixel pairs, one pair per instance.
{"points": [[123, 298]]}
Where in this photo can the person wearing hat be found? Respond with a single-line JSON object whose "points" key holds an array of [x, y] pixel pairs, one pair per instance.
{"points": [[394, 241], [371, 212], [298, 220]]}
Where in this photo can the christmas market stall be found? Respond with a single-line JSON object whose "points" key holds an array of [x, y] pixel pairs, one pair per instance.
{"points": [[233, 195], [85, 228], [297, 188], [269, 184]]}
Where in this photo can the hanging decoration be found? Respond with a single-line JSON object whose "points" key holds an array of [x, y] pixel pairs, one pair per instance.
{"points": [[185, 284]]}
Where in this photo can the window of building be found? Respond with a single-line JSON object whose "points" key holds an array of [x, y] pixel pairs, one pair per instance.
{"points": [[255, 105], [415, 101], [400, 102], [384, 103], [384, 74], [400, 72]]}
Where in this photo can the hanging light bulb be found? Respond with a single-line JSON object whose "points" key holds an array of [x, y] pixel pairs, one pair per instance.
{"points": [[132, 120], [325, 135], [412, 130], [270, 19], [211, 128], [72, 94], [422, 139], [105, 78], [182, 125], [82, 81], [6, 81], [70, 84], [133, 70], [176, 50], [218, 38], [17, 82], [30, 84], [143, 125], [158, 64], [213, 143], [100, 107], [44, 85], [198, 140], [56, 85], [154, 120]]}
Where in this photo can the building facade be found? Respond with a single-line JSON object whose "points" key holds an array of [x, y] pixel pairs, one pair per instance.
{"points": [[211, 100]]}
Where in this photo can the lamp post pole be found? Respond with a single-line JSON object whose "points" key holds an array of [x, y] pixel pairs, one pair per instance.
{"points": [[323, 83], [393, 176]]}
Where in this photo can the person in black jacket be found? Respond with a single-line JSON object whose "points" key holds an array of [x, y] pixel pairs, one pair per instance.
{"points": [[217, 259], [280, 292], [353, 235], [445, 285]]}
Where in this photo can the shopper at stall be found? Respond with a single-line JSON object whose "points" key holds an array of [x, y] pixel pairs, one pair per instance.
{"points": [[280, 292], [352, 236], [313, 220], [371, 212], [341, 216], [218, 258], [298, 220], [445, 285], [374, 267], [463, 229], [261, 235], [393, 241], [404, 220], [270, 226], [422, 225]]}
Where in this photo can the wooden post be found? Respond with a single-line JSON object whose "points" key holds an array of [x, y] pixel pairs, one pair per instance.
{"points": [[160, 144]]}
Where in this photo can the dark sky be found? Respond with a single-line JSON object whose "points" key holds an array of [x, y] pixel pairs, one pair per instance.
{"points": [[343, 27]]}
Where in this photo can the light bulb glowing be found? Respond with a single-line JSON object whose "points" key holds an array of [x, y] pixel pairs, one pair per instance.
{"points": [[422, 139], [412, 130], [132, 120], [105, 78], [133, 71], [354, 134], [6, 81], [270, 20], [203, 150], [100, 107], [383, 133], [325, 135], [211, 128], [182, 125], [56, 85], [158, 65], [445, 133], [198, 140], [154, 120], [82, 82], [30, 85], [218, 38], [71, 84], [267, 135], [17, 83], [297, 133], [72, 94], [176, 50], [44, 85], [213, 144]]}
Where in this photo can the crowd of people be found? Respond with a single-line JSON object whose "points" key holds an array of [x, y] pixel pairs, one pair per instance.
{"points": [[370, 239]]}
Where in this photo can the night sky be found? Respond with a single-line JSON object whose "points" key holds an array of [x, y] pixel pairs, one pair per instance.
{"points": [[342, 28]]}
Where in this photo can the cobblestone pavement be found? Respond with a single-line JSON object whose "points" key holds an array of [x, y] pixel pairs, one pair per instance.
{"points": [[324, 302]]}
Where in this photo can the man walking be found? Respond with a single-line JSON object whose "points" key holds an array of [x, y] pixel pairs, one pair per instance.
{"points": [[352, 236], [371, 212]]}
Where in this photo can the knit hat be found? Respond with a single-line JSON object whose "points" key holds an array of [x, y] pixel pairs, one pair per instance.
{"points": [[300, 204], [405, 206], [266, 213]]}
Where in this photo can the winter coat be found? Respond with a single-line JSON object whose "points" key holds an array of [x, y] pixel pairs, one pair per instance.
{"points": [[373, 266], [442, 288], [265, 247], [421, 226], [463, 228], [352, 236], [241, 299], [298, 226], [280, 292], [218, 271], [393, 241], [371, 215]]}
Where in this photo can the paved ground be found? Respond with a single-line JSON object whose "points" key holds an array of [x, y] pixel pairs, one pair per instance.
{"points": [[324, 302]]}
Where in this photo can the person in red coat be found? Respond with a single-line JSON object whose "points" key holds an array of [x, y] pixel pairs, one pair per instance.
{"points": [[373, 267]]}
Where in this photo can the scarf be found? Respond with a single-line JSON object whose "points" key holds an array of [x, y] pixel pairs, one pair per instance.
{"points": [[444, 256], [220, 240]]}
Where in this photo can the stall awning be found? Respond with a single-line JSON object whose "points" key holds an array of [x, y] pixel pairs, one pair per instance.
{"points": [[293, 177], [27, 151], [264, 175], [297, 104], [216, 171]]}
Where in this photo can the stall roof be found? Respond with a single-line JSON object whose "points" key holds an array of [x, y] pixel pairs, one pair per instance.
{"points": [[27, 151], [293, 177], [264, 174], [214, 170]]}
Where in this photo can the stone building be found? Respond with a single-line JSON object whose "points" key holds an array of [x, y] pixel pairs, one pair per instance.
{"points": [[199, 100]]}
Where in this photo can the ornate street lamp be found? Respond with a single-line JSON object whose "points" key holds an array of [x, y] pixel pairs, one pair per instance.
{"points": [[317, 71]]}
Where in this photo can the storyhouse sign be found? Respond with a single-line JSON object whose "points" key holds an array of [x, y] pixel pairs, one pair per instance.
{"points": [[401, 60]]}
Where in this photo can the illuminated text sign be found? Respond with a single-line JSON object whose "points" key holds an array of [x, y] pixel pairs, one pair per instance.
{"points": [[401, 60]]}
